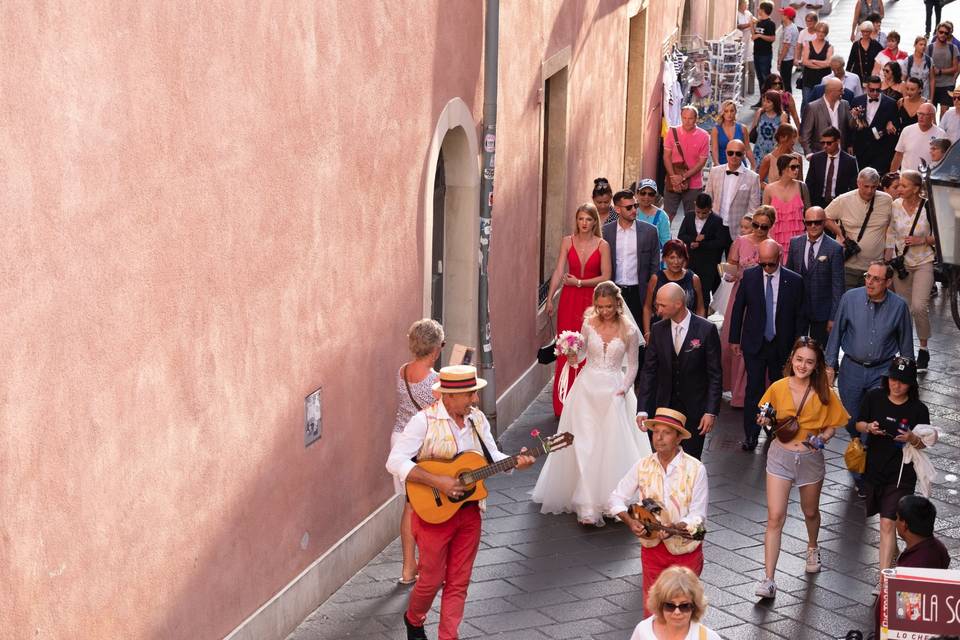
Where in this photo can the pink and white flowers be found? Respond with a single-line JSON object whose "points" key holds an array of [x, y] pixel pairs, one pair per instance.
{"points": [[569, 343]]}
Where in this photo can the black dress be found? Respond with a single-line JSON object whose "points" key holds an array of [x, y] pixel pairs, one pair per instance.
{"points": [[861, 62], [811, 76], [904, 118]]}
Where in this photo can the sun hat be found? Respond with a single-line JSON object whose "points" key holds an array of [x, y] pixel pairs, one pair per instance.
{"points": [[669, 418], [459, 378], [904, 370]]}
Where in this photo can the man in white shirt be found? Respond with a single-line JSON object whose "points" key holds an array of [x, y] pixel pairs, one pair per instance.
{"points": [[663, 477], [447, 549], [950, 121], [829, 111], [851, 81], [914, 143], [788, 44]]}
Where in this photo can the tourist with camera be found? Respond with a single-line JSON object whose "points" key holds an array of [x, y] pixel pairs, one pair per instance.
{"points": [[909, 250], [859, 221], [803, 412]]}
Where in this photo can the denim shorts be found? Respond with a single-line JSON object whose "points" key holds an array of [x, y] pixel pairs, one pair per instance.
{"points": [[799, 467]]}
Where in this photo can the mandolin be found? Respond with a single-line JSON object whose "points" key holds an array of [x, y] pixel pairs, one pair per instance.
{"points": [[471, 468], [648, 514]]}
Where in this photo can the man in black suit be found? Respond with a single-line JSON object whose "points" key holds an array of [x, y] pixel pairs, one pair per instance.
{"points": [[682, 367], [765, 321], [818, 258], [706, 239], [874, 134], [832, 171]]}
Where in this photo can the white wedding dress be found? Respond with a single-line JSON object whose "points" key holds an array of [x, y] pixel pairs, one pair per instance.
{"points": [[607, 442]]}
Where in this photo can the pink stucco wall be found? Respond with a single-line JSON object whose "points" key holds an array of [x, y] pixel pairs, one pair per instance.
{"points": [[211, 210]]}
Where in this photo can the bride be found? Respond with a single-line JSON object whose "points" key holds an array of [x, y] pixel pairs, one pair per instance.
{"points": [[599, 411]]}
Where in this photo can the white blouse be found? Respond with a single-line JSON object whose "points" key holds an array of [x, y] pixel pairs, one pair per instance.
{"points": [[899, 228], [644, 631]]}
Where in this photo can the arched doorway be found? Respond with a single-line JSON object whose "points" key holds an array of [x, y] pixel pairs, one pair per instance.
{"points": [[452, 227]]}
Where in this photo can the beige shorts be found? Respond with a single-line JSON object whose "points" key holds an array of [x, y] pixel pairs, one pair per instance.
{"points": [[799, 467]]}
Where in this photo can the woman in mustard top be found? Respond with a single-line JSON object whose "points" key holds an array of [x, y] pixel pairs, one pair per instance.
{"points": [[799, 459]]}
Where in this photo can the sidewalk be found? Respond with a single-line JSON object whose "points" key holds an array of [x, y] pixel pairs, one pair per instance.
{"points": [[542, 576]]}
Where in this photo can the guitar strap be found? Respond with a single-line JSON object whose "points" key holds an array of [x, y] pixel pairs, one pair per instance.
{"points": [[486, 452]]}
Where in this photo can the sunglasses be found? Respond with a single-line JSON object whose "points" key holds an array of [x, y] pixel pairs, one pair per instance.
{"points": [[648, 194], [873, 89], [831, 141], [629, 207], [943, 33], [757, 225], [684, 607], [813, 223], [768, 264], [793, 167], [730, 154]]}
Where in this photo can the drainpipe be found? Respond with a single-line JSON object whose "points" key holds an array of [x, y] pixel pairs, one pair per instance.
{"points": [[491, 40]]}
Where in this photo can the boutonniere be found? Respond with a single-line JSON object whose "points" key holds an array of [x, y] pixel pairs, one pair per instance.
{"points": [[694, 344], [821, 258]]}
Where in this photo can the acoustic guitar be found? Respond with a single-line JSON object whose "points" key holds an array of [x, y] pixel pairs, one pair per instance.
{"points": [[471, 468], [648, 514]]}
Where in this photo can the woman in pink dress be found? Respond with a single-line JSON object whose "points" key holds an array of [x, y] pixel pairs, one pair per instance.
{"points": [[743, 254], [790, 198], [583, 263]]}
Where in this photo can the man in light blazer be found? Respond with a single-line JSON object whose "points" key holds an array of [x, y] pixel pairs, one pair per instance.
{"points": [[818, 117], [734, 188], [818, 259], [635, 249]]}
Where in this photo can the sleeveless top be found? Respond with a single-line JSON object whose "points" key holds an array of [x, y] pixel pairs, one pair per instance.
{"points": [[905, 118], [722, 140], [811, 76], [422, 392], [686, 283]]}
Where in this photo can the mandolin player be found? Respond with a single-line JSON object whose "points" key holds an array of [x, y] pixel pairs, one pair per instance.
{"points": [[447, 550], [677, 482]]}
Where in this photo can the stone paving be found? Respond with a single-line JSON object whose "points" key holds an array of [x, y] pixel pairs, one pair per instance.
{"points": [[543, 576]]}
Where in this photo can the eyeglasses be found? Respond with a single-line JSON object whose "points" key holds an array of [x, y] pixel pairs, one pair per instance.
{"points": [[730, 154], [684, 607], [813, 223], [869, 277], [648, 194], [794, 167], [768, 264], [943, 33], [757, 225], [628, 207]]}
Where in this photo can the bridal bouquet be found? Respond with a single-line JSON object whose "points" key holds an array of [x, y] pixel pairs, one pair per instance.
{"points": [[569, 343]]}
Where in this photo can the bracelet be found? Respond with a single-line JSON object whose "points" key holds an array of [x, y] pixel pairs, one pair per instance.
{"points": [[578, 283]]}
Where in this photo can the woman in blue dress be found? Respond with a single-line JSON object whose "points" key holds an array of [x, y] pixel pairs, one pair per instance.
{"points": [[727, 129]]}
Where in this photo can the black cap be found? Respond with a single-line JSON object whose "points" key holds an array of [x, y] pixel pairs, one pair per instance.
{"points": [[904, 370]]}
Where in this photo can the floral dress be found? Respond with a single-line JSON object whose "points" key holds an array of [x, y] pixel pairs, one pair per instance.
{"points": [[766, 130]]}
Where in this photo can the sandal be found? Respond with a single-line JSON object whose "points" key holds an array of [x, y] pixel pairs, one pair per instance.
{"points": [[404, 581]]}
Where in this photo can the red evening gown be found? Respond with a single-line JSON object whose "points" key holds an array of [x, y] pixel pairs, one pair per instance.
{"points": [[573, 303]]}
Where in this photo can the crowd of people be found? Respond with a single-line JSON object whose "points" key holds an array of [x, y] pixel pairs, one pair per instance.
{"points": [[809, 232]]}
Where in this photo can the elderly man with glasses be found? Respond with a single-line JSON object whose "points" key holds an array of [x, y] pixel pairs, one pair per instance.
{"points": [[818, 259], [914, 143], [950, 121], [861, 216], [872, 326]]}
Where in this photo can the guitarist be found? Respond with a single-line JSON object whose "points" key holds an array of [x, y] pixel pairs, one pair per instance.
{"points": [[677, 481], [447, 550]]}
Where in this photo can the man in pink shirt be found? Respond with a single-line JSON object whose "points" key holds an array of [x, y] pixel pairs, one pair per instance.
{"points": [[684, 184]]}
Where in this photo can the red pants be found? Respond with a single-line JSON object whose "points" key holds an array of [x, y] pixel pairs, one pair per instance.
{"points": [[655, 559], [447, 552]]}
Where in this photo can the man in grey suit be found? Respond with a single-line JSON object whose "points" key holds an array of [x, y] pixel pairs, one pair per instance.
{"points": [[829, 111], [635, 248], [818, 258], [734, 188]]}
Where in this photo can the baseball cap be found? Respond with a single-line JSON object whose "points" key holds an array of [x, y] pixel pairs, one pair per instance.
{"points": [[790, 12]]}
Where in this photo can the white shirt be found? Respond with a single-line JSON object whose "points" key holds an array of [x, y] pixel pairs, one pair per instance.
{"points": [[699, 224], [681, 328], [872, 109], [627, 254], [832, 187], [806, 253], [950, 122], [644, 631], [728, 193], [627, 489], [833, 113], [851, 81], [915, 145], [410, 441]]}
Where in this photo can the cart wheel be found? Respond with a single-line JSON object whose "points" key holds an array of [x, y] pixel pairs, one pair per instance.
{"points": [[954, 292]]}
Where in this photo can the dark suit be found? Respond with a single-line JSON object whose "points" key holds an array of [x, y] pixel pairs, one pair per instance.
{"points": [[689, 382], [822, 283], [648, 262], [763, 358], [870, 151], [708, 254], [817, 118], [845, 171]]}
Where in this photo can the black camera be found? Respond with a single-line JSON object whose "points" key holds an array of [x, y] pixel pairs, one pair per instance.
{"points": [[898, 265], [768, 411], [850, 248]]}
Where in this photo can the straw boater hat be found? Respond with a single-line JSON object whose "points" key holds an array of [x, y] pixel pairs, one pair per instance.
{"points": [[669, 418], [459, 378]]}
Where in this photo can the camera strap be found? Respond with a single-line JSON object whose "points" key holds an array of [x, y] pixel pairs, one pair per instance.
{"points": [[913, 227], [866, 220]]}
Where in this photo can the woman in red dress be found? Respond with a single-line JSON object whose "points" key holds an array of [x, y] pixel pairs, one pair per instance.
{"points": [[583, 263]]}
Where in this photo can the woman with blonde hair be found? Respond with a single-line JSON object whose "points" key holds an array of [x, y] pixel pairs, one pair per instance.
{"points": [[414, 386], [584, 261], [728, 129], [600, 412], [677, 605]]}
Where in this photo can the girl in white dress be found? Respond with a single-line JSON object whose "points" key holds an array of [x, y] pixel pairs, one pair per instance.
{"points": [[599, 412]]}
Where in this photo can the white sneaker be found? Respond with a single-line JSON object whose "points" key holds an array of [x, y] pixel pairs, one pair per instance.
{"points": [[766, 588], [813, 560]]}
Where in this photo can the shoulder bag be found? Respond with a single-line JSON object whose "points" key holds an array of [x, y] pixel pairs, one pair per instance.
{"points": [[403, 374], [788, 428], [546, 353], [899, 262], [678, 167]]}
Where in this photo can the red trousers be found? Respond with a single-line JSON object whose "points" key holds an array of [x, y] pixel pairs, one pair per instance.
{"points": [[655, 559], [447, 552]]}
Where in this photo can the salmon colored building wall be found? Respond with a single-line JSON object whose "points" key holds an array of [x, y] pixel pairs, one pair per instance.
{"points": [[212, 209]]}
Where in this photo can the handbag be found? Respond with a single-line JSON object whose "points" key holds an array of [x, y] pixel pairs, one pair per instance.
{"points": [[753, 134], [788, 428], [852, 247], [546, 354], [855, 456], [678, 167]]}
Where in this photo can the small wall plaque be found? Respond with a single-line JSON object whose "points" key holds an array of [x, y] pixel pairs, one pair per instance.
{"points": [[312, 408]]}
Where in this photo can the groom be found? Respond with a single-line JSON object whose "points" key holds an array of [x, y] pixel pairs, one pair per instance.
{"points": [[681, 369]]}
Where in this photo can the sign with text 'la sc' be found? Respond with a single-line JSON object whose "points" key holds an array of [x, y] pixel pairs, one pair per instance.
{"points": [[919, 603]]}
